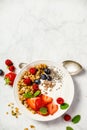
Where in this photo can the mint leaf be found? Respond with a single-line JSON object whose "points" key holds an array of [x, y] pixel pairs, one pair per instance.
{"points": [[64, 106], [38, 92], [69, 128], [76, 119], [28, 95], [43, 110]]}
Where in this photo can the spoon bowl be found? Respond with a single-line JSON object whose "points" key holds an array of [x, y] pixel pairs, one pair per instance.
{"points": [[73, 67]]}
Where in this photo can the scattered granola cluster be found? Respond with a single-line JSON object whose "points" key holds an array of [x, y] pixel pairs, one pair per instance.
{"points": [[31, 126], [14, 110]]}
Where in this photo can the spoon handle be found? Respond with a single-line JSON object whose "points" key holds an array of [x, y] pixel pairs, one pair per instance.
{"points": [[21, 65]]}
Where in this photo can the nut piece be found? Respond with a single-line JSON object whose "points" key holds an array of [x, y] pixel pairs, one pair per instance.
{"points": [[32, 126], [26, 129]]}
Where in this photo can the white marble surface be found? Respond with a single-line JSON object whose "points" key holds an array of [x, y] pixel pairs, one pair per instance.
{"points": [[43, 29]]}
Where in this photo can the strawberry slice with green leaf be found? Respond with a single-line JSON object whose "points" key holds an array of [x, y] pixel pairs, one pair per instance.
{"points": [[43, 111]]}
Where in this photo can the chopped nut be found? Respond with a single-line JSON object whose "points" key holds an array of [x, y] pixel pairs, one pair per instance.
{"points": [[6, 113], [13, 113], [14, 110], [32, 126], [26, 129]]}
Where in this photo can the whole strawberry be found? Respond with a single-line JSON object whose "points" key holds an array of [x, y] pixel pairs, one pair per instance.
{"points": [[8, 62], [9, 78]]}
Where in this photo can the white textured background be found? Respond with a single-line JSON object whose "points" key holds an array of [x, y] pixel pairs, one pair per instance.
{"points": [[44, 29]]}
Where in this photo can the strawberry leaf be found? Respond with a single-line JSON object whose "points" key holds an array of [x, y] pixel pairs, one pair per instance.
{"points": [[64, 106], [69, 128], [28, 95], [43, 110], [76, 119], [7, 80], [38, 92]]}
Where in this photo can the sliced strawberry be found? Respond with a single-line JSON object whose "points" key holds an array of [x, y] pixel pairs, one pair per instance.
{"points": [[27, 81], [52, 108], [33, 70], [46, 99], [35, 103], [38, 103], [31, 103]]}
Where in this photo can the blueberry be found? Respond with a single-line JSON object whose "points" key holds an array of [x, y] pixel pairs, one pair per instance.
{"points": [[1, 72], [37, 81], [47, 71], [43, 76], [49, 78]]}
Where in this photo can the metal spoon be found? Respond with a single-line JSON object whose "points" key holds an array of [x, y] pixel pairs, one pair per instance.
{"points": [[73, 67]]}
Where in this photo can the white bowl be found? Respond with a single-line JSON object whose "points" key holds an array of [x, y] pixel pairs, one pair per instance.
{"points": [[66, 92]]}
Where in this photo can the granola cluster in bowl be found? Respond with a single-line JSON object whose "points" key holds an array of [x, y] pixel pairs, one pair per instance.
{"points": [[39, 87]]}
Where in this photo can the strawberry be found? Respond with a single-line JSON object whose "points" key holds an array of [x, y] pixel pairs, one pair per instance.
{"points": [[11, 68], [8, 62], [67, 117], [31, 103], [60, 100], [35, 103], [9, 78], [52, 108], [38, 103], [35, 87], [27, 81], [33, 70], [46, 99]]}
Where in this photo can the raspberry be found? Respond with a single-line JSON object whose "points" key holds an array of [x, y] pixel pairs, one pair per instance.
{"points": [[35, 87], [67, 117], [33, 70], [27, 81], [11, 68], [60, 100], [8, 62]]}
